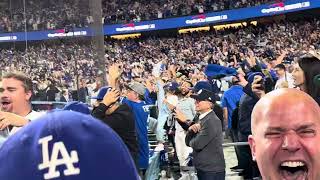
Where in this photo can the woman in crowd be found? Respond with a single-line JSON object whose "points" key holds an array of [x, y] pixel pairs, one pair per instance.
{"points": [[306, 75]]}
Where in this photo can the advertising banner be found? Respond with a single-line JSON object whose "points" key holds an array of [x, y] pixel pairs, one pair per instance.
{"points": [[214, 17]]}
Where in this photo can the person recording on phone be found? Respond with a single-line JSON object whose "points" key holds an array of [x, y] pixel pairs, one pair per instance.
{"points": [[118, 116], [306, 77], [246, 105]]}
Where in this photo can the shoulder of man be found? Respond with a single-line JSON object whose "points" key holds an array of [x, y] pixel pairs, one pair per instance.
{"points": [[34, 115], [211, 117]]}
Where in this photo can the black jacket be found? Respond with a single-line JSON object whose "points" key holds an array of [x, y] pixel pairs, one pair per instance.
{"points": [[246, 106], [123, 123], [63, 99]]}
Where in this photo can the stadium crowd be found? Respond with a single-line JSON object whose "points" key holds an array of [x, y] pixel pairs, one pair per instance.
{"points": [[234, 47], [183, 74], [135, 11], [52, 65], [48, 14], [44, 15]]}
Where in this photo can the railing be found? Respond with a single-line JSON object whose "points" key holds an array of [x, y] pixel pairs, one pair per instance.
{"points": [[47, 105]]}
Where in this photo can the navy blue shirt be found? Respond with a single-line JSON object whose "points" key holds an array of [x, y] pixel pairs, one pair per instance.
{"points": [[247, 104]]}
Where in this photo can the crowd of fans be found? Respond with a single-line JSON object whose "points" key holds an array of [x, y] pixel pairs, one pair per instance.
{"points": [[191, 52], [229, 48], [52, 65], [135, 11], [243, 63], [42, 15]]}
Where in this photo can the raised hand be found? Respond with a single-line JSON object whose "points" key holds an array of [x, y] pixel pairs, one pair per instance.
{"points": [[111, 97], [7, 119], [114, 71], [256, 86]]}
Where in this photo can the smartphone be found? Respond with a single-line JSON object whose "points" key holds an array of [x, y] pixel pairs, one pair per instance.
{"points": [[261, 82]]}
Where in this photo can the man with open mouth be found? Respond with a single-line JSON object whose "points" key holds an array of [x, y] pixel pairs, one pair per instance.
{"points": [[15, 102], [285, 136]]}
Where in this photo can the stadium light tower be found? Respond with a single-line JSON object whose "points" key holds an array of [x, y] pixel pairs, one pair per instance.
{"points": [[98, 38]]}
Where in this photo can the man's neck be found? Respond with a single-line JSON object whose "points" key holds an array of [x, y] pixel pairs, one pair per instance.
{"points": [[205, 111], [24, 112], [136, 100]]}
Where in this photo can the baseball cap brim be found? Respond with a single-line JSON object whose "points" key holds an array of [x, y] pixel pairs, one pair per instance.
{"points": [[127, 86], [132, 89], [198, 98]]}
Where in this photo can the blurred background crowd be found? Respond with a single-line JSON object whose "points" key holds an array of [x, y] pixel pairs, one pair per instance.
{"points": [[59, 63], [51, 14]]}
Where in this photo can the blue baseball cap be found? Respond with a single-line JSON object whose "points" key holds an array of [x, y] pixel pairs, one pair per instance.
{"points": [[66, 145], [204, 95], [202, 85], [252, 75], [172, 86], [78, 107], [102, 91]]}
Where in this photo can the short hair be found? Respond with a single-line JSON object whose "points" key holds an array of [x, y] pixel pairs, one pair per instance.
{"points": [[189, 82], [26, 81], [280, 66]]}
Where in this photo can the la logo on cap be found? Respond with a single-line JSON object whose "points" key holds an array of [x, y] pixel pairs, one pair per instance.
{"points": [[200, 91], [52, 163]]}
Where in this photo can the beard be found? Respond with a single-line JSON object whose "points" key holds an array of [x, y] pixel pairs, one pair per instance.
{"points": [[184, 93]]}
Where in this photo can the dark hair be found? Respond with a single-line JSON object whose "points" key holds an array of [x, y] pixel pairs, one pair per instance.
{"points": [[235, 80], [280, 66], [311, 68], [26, 81], [190, 83]]}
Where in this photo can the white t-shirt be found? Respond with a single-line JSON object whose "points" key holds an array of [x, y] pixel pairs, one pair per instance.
{"points": [[283, 80], [31, 116]]}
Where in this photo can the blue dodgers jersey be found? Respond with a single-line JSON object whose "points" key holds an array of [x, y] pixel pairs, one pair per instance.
{"points": [[230, 99], [141, 114]]}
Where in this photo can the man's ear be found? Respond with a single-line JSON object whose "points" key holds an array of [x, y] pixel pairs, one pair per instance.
{"points": [[28, 95], [252, 146]]}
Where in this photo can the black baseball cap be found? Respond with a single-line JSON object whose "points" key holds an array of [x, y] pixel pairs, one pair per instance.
{"points": [[204, 95]]}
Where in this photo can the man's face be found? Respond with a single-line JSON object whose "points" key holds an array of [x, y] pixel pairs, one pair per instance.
{"points": [[131, 95], [280, 72], [202, 106], [286, 143], [185, 88], [13, 95]]}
